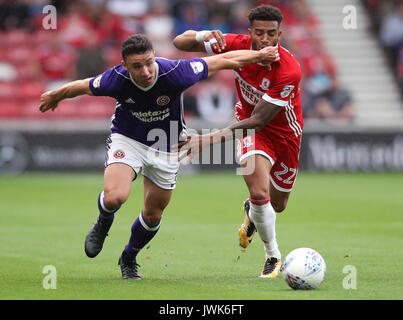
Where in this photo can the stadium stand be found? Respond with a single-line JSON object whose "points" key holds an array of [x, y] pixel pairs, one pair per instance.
{"points": [[361, 63], [338, 65]]}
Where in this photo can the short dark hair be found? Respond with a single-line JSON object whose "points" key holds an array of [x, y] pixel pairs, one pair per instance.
{"points": [[136, 44], [265, 13]]}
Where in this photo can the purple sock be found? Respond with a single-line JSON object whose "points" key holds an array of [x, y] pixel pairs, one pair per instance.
{"points": [[141, 234], [105, 214]]}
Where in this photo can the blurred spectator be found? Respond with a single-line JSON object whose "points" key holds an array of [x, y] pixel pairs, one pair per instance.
{"points": [[133, 8], [387, 23], [90, 61], [218, 21], [89, 34], [391, 32], [14, 14], [400, 69], [317, 66], [191, 16], [216, 99], [239, 22], [333, 105], [56, 61], [74, 28], [159, 27]]}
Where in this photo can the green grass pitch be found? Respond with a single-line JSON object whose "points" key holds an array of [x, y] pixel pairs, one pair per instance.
{"points": [[351, 219]]}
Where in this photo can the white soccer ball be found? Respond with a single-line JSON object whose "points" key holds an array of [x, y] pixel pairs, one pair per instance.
{"points": [[304, 269]]}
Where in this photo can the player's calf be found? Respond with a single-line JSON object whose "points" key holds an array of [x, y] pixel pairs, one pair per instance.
{"points": [[96, 236]]}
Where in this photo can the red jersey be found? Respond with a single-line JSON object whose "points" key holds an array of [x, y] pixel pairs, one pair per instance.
{"points": [[278, 85]]}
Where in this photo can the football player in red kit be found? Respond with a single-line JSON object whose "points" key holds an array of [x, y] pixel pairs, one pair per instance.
{"points": [[269, 103]]}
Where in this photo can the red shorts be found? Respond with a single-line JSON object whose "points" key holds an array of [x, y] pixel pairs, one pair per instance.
{"points": [[282, 151]]}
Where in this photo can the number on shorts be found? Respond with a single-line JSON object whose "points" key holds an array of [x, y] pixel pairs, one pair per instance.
{"points": [[278, 174]]}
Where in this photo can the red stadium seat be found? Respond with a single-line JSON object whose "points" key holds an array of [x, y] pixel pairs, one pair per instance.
{"points": [[30, 109], [112, 56], [97, 107], [9, 90], [31, 90], [17, 38], [18, 55], [10, 108]]}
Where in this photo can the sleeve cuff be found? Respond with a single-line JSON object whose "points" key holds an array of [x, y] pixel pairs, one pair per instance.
{"points": [[277, 102]]}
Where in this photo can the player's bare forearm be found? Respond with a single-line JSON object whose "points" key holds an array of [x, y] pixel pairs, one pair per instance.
{"points": [[262, 114], [187, 42], [240, 58], [73, 89], [50, 99], [194, 41]]}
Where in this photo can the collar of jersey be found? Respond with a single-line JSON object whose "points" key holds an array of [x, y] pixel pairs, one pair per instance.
{"points": [[151, 85]]}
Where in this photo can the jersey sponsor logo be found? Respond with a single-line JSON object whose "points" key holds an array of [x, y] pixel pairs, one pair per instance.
{"points": [[97, 82], [197, 66], [247, 142], [151, 116], [163, 100], [249, 92], [265, 84], [119, 154], [286, 91]]}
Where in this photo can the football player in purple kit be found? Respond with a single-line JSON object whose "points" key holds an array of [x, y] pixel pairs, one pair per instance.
{"points": [[148, 120]]}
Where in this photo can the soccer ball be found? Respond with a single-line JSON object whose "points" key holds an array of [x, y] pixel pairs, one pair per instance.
{"points": [[304, 269]]}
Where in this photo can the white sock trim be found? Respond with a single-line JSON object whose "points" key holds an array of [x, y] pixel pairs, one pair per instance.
{"points": [[102, 202], [144, 224]]}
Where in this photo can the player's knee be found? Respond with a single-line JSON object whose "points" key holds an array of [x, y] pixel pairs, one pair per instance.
{"points": [[259, 193], [114, 199], [152, 218]]}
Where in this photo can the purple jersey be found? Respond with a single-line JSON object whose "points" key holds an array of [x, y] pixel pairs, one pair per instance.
{"points": [[153, 115]]}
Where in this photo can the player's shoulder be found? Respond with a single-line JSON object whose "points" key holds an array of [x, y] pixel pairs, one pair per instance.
{"points": [[166, 66], [288, 64], [178, 67], [288, 59], [241, 41], [118, 72]]}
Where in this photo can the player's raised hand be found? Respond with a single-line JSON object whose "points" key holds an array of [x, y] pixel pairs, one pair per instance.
{"points": [[216, 39], [191, 147], [270, 54], [48, 101]]}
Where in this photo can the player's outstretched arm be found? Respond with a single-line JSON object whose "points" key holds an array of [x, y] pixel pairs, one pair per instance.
{"points": [[50, 99], [239, 58], [193, 41], [263, 113]]}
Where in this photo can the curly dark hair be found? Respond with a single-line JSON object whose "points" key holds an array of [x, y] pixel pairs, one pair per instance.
{"points": [[136, 44], [265, 13]]}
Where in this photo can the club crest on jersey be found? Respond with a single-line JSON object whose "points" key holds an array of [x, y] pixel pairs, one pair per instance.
{"points": [[286, 91], [197, 66], [265, 84], [119, 154], [97, 82], [163, 100]]}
